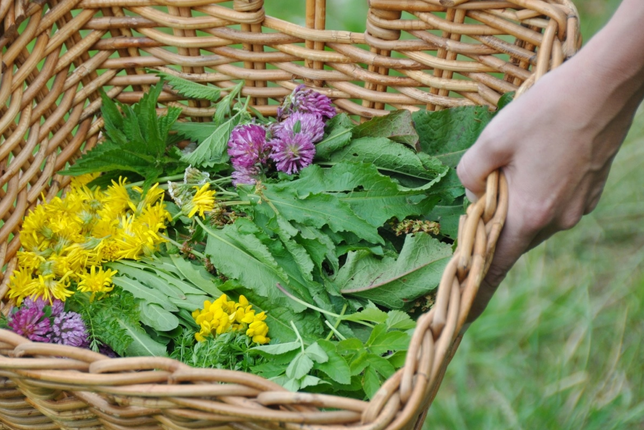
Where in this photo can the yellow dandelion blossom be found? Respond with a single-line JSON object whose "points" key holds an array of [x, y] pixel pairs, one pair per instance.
{"points": [[29, 260], [117, 197], [49, 288], [96, 280], [82, 180], [21, 284], [152, 196], [203, 201]]}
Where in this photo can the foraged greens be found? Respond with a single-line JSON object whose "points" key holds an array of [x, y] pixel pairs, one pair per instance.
{"points": [[299, 248]]}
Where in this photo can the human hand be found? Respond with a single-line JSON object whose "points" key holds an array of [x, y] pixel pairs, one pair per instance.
{"points": [[555, 145]]}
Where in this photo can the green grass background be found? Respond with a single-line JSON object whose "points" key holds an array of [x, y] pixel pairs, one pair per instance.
{"points": [[560, 345]]}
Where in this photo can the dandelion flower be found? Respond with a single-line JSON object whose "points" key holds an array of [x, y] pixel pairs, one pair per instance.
{"points": [[203, 201], [96, 280]]}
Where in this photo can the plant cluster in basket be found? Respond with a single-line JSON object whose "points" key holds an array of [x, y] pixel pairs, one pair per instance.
{"points": [[300, 248]]}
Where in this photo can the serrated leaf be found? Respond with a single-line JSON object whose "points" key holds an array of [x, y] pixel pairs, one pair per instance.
{"points": [[397, 126], [195, 131], [399, 320], [212, 150], [157, 317], [300, 366], [191, 89], [448, 133], [390, 341], [387, 155], [318, 210], [336, 367], [371, 382], [394, 282]]}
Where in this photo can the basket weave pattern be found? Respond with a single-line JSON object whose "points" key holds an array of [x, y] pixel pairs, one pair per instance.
{"points": [[415, 54]]}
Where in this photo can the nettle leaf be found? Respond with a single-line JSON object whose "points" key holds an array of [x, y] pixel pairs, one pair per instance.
{"points": [[391, 157], [397, 126], [214, 149], [195, 131], [338, 133], [446, 134], [191, 89], [395, 282]]}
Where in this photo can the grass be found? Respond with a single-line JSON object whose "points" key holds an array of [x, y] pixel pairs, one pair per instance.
{"points": [[560, 345]]}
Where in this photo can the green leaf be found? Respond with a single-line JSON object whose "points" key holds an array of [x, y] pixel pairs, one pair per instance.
{"points": [[338, 134], [371, 314], [244, 257], [390, 341], [157, 317], [142, 292], [505, 100], [277, 349], [399, 320], [394, 282], [142, 344], [311, 381], [300, 366], [446, 134], [389, 156], [318, 210], [349, 346], [397, 126], [397, 359], [213, 149], [371, 382], [195, 131], [316, 353], [191, 89], [336, 367]]}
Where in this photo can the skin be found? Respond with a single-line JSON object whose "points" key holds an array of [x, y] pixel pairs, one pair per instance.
{"points": [[556, 143]]}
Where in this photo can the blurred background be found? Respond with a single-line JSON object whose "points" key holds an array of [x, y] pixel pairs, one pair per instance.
{"points": [[560, 345]]}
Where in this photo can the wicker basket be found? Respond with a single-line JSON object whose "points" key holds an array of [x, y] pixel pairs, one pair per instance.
{"points": [[414, 54]]}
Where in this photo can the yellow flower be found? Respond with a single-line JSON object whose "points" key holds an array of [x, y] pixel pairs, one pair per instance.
{"points": [[97, 281], [224, 315], [82, 180], [118, 198], [21, 285], [203, 201], [49, 288]]}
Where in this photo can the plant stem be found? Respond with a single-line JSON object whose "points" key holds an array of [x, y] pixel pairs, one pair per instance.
{"points": [[180, 246], [164, 179], [335, 331], [308, 305], [297, 333], [337, 322]]}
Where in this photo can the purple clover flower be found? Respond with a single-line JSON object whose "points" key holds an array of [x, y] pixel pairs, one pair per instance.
{"points": [[31, 322], [247, 146], [292, 152], [69, 329], [312, 126], [243, 175], [307, 100]]}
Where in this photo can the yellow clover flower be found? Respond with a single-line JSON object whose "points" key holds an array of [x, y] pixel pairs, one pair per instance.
{"points": [[225, 315]]}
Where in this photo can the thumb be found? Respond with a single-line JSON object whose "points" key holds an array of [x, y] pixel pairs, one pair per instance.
{"points": [[478, 162]]}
